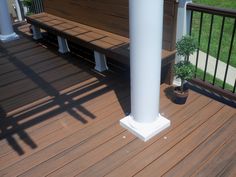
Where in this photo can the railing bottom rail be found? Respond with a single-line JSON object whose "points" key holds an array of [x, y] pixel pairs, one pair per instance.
{"points": [[214, 88]]}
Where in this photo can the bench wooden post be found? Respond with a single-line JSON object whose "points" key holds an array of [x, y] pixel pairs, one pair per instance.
{"points": [[36, 32], [100, 62], [63, 45]]}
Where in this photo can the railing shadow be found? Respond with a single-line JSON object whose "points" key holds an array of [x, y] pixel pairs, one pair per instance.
{"points": [[51, 89]]}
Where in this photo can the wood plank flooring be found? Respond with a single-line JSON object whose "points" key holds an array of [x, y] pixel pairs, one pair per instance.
{"points": [[58, 117]]}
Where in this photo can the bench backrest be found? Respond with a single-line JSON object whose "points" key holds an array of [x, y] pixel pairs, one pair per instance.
{"points": [[110, 15]]}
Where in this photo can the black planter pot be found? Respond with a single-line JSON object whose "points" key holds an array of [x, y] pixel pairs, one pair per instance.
{"points": [[180, 97]]}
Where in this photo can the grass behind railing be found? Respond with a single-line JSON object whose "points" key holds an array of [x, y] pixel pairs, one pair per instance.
{"points": [[227, 35], [231, 4], [209, 79]]}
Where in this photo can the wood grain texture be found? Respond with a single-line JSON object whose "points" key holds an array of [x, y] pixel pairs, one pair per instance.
{"points": [[112, 16], [60, 118]]}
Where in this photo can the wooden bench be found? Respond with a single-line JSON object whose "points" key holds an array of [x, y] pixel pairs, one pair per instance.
{"points": [[103, 26]]}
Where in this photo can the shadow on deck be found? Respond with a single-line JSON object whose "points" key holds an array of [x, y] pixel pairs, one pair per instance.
{"points": [[60, 118]]}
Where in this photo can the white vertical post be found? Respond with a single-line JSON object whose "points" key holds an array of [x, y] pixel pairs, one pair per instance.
{"points": [[63, 45], [6, 29], [18, 10], [100, 61], [36, 32], [183, 27], [146, 22], [183, 20]]}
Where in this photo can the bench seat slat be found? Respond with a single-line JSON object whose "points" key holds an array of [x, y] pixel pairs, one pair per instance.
{"points": [[100, 38]]}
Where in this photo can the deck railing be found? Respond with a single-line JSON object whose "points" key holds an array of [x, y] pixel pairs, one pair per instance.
{"points": [[37, 6], [214, 29]]}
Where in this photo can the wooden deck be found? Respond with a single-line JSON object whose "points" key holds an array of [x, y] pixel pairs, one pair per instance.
{"points": [[58, 117]]}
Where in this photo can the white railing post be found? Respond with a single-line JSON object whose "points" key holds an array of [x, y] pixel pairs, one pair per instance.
{"points": [[183, 26], [100, 62], [18, 10], [183, 19], [6, 29], [146, 22]]}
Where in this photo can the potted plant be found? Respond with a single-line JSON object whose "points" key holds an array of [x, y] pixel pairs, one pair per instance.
{"points": [[184, 70]]}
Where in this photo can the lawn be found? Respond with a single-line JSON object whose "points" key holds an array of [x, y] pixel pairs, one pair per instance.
{"points": [[217, 24]]}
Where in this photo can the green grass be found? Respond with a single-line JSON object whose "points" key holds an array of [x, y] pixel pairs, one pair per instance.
{"points": [[227, 34], [209, 78]]}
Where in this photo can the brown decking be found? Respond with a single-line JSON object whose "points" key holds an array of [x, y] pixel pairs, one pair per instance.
{"points": [[60, 118]]}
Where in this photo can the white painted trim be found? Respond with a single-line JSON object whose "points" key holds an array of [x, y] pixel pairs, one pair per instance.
{"points": [[100, 62], [18, 10], [9, 37], [145, 131], [63, 45], [183, 19]]}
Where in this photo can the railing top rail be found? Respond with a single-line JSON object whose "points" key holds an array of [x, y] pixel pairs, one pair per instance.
{"points": [[212, 10]]}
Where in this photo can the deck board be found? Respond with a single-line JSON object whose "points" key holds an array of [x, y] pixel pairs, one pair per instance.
{"points": [[60, 118]]}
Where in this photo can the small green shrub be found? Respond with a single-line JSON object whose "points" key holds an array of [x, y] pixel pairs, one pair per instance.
{"points": [[184, 69], [27, 3], [186, 46]]}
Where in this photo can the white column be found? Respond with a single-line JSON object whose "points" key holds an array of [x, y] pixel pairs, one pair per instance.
{"points": [[100, 61], [146, 22], [63, 45], [6, 29]]}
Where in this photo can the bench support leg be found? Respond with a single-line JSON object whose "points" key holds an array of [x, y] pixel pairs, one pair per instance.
{"points": [[63, 46], [36, 33], [100, 61]]}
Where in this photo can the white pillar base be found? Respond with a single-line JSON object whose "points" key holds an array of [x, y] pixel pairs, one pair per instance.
{"points": [[100, 62], [145, 131], [63, 45], [9, 37], [36, 33]]}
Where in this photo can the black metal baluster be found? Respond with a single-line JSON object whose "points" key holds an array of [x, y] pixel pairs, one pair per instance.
{"points": [[234, 90], [230, 52], [191, 23], [219, 49], [190, 27], [40, 6], [208, 47], [199, 41], [33, 7]]}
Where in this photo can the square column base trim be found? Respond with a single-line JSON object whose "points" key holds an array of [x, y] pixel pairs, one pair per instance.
{"points": [[9, 37], [145, 131]]}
